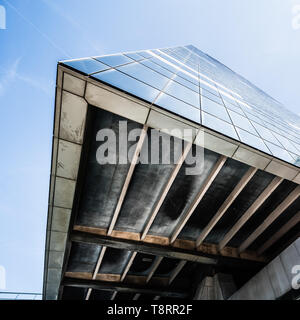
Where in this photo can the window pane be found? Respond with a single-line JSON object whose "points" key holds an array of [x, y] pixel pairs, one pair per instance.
{"points": [[157, 68], [208, 88], [242, 122], [272, 127], [233, 107], [265, 133], [291, 137], [218, 125], [211, 96], [297, 146], [190, 68], [187, 84], [279, 152], [87, 65], [214, 109], [178, 107], [245, 107], [164, 64], [145, 74], [170, 60], [126, 83], [286, 143], [228, 98], [252, 140], [254, 118], [145, 54], [114, 60], [178, 91], [134, 56], [296, 159], [192, 78]]}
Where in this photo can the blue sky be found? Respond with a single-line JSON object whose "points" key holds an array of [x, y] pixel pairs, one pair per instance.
{"points": [[255, 38]]}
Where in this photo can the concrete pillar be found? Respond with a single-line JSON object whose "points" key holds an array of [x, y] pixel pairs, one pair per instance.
{"points": [[218, 287], [206, 290], [224, 286]]}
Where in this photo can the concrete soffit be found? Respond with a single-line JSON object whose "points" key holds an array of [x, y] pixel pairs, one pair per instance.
{"points": [[74, 92]]}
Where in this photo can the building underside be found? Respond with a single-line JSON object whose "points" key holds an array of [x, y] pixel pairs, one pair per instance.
{"points": [[148, 231]]}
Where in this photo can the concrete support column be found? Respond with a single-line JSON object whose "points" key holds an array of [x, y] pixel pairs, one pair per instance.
{"points": [[218, 287]]}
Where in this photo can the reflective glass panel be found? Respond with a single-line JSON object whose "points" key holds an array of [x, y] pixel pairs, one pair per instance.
{"points": [[252, 140], [228, 98], [186, 83], [191, 69], [178, 107], [134, 56], [189, 77], [145, 74], [114, 60], [254, 118], [271, 127], [297, 146], [279, 152], [292, 137], [127, 83], [233, 107], [242, 122], [157, 68], [286, 143], [265, 133], [164, 64], [171, 60], [178, 91], [218, 125], [87, 65], [296, 159], [203, 85], [214, 109], [245, 107], [211, 96], [145, 54]]}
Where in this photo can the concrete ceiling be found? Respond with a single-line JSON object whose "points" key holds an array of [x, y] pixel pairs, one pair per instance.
{"points": [[149, 231]]}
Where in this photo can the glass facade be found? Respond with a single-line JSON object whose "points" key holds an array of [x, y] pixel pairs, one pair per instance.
{"points": [[193, 85]]}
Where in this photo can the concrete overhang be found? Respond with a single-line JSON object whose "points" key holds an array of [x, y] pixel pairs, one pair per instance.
{"points": [[190, 243]]}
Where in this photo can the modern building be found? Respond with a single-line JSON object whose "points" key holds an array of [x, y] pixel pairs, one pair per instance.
{"points": [[154, 229]]}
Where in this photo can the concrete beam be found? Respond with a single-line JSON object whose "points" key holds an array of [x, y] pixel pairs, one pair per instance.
{"points": [[227, 203], [250, 212], [271, 218], [164, 251], [211, 177], [122, 287]]}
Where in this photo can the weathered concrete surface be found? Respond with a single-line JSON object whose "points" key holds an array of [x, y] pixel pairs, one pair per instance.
{"points": [[274, 280], [218, 287]]}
